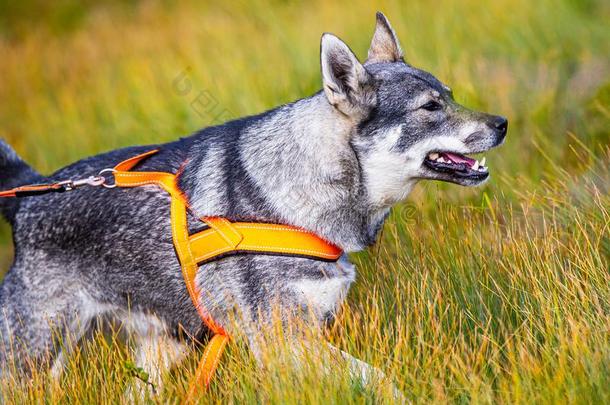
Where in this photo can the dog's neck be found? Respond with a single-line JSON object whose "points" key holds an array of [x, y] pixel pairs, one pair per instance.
{"points": [[293, 165]]}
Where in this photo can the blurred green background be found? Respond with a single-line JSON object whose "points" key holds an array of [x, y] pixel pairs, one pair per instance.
{"points": [[82, 77]]}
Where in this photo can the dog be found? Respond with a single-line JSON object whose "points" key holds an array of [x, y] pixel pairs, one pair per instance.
{"points": [[333, 163]]}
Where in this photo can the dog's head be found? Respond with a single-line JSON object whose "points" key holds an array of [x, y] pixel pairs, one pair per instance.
{"points": [[406, 124]]}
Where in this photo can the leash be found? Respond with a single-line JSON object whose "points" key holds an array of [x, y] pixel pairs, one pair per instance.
{"points": [[222, 238], [59, 187]]}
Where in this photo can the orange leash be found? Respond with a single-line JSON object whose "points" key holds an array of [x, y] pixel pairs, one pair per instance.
{"points": [[33, 189], [221, 238], [58, 187]]}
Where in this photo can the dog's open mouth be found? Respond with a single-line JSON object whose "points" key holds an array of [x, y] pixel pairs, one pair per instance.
{"points": [[457, 165]]}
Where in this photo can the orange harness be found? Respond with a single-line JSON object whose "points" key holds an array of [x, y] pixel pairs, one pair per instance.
{"points": [[221, 238]]}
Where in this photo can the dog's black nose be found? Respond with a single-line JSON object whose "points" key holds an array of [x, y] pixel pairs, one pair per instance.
{"points": [[500, 124]]}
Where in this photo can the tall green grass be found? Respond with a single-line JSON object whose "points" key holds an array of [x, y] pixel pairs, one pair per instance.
{"points": [[486, 295]]}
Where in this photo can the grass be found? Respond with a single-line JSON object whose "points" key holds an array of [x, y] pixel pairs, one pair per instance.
{"points": [[499, 294]]}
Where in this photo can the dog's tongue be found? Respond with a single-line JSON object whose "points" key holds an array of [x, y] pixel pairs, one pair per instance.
{"points": [[458, 158]]}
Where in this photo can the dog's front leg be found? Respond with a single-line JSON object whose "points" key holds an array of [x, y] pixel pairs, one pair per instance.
{"points": [[362, 372], [295, 298], [329, 359], [368, 375], [154, 354], [359, 370]]}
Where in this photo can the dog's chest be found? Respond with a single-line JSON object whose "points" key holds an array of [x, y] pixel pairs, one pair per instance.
{"points": [[325, 294]]}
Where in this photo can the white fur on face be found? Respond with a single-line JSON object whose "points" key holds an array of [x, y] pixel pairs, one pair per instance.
{"points": [[390, 175], [450, 143], [387, 172], [468, 129]]}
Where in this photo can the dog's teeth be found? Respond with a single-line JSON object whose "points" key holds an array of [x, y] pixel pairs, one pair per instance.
{"points": [[475, 166], [482, 169], [483, 161], [433, 156], [441, 159]]}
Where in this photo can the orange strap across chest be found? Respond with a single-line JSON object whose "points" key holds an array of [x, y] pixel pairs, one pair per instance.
{"points": [[221, 238]]}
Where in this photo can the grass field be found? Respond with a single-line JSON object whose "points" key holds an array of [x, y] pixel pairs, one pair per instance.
{"points": [[498, 294]]}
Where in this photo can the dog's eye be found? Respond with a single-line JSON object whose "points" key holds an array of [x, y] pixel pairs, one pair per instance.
{"points": [[432, 106]]}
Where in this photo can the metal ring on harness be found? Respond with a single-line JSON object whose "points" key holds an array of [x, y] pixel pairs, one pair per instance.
{"points": [[104, 184]]}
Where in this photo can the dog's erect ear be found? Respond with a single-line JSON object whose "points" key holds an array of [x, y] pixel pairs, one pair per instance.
{"points": [[384, 46], [347, 84]]}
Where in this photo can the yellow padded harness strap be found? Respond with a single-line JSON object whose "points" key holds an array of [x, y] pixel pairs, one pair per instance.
{"points": [[221, 238]]}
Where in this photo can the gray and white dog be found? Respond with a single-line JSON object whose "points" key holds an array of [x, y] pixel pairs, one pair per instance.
{"points": [[333, 163]]}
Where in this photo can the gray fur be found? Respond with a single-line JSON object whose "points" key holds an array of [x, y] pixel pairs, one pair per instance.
{"points": [[333, 163]]}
